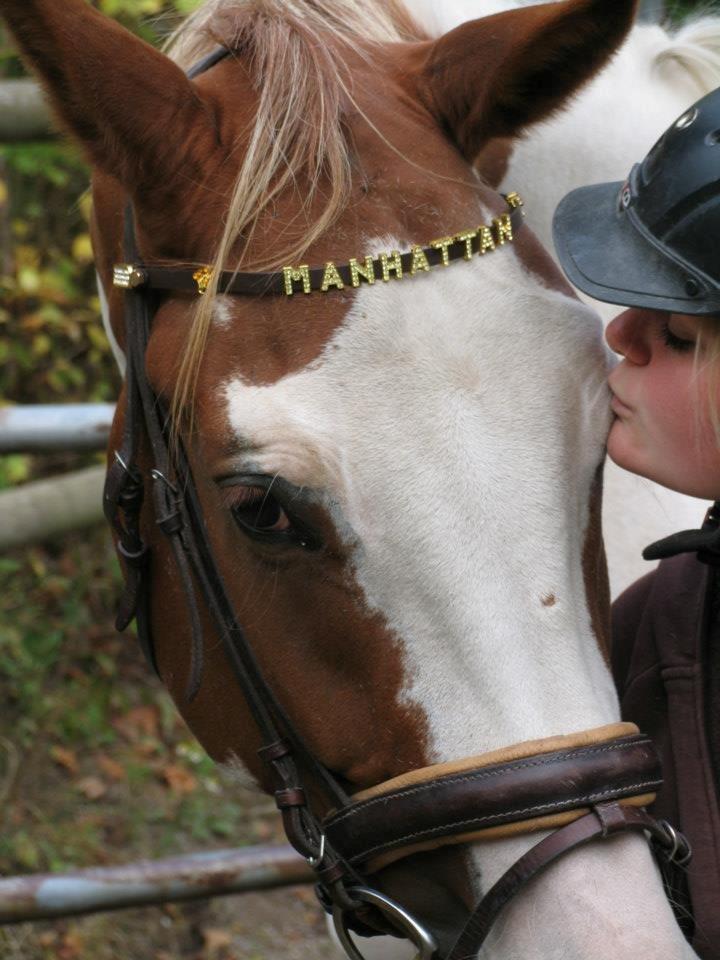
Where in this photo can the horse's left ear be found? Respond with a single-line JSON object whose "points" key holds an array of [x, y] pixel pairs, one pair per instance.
{"points": [[493, 77], [131, 109]]}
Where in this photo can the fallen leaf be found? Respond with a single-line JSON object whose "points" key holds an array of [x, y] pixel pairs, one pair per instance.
{"points": [[70, 947], [92, 787], [179, 779], [138, 722], [111, 768], [65, 758], [216, 939]]}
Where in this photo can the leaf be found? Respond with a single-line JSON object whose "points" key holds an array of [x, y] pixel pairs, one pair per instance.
{"points": [[82, 249], [179, 779], [141, 721], [111, 768], [216, 939], [71, 947], [92, 787], [65, 758]]}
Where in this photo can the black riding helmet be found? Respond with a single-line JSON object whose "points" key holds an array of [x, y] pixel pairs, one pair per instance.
{"points": [[653, 241]]}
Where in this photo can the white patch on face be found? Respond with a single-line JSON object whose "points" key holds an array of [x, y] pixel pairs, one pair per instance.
{"points": [[455, 421], [222, 312]]}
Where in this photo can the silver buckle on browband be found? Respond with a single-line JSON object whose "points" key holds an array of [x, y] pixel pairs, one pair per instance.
{"points": [[415, 932], [127, 277]]}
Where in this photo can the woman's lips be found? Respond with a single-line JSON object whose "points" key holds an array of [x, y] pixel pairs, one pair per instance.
{"points": [[618, 407]]}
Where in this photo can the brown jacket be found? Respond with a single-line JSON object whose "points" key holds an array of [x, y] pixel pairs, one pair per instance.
{"points": [[666, 663]]}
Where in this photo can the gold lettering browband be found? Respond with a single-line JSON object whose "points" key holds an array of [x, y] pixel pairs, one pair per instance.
{"points": [[304, 279]]}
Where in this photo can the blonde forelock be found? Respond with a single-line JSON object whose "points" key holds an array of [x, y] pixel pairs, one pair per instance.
{"points": [[293, 50]]}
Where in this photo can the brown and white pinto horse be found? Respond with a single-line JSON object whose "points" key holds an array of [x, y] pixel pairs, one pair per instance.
{"points": [[439, 437]]}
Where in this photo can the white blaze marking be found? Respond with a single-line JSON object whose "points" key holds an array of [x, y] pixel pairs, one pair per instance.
{"points": [[456, 421]]}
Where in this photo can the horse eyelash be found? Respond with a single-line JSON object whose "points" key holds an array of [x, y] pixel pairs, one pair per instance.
{"points": [[240, 495]]}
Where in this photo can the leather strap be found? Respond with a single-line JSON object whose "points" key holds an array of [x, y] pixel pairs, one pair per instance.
{"points": [[494, 795], [604, 821]]}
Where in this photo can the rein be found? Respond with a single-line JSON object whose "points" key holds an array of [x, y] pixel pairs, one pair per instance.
{"points": [[585, 786]]}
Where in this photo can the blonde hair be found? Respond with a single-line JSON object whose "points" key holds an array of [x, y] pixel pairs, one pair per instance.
{"points": [[293, 50]]}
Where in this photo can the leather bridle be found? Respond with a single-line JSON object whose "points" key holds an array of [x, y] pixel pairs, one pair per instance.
{"points": [[585, 787]]}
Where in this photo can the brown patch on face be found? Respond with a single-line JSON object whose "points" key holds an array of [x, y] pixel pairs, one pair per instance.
{"points": [[548, 600], [595, 575]]}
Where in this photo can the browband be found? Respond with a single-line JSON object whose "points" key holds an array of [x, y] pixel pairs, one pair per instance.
{"points": [[384, 266]]}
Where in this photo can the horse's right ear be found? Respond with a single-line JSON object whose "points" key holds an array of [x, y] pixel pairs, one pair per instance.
{"points": [[132, 110], [493, 77]]}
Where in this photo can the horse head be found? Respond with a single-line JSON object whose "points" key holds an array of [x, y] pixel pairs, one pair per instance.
{"points": [[397, 472]]}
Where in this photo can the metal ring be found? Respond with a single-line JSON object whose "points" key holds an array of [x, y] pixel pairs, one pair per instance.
{"points": [[414, 931], [679, 845], [316, 861]]}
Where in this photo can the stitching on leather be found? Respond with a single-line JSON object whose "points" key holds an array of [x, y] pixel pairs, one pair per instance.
{"points": [[363, 805], [590, 798]]}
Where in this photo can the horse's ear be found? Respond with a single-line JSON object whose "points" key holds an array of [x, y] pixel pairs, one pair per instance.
{"points": [[493, 77], [126, 104]]}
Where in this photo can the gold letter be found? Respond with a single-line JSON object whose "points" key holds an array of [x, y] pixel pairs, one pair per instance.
{"points": [[443, 245], [391, 261], [331, 278], [486, 240], [296, 275], [467, 238], [367, 272], [503, 228], [419, 261]]}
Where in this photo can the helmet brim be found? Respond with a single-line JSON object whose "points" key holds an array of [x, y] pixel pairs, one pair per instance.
{"points": [[605, 255]]}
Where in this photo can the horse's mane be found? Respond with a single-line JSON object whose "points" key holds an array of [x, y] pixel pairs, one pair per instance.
{"points": [[294, 53], [695, 48]]}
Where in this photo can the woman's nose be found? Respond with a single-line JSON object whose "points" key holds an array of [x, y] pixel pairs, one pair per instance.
{"points": [[630, 333]]}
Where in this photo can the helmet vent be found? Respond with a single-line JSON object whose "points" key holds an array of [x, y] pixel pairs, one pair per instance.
{"points": [[692, 287], [713, 138]]}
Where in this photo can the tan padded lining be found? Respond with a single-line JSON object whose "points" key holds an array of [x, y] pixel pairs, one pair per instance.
{"points": [[518, 751]]}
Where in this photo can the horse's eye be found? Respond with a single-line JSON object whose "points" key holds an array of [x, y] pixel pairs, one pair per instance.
{"points": [[262, 516], [257, 511]]}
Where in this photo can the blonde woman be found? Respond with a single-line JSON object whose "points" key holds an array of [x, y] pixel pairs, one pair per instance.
{"points": [[653, 245]]}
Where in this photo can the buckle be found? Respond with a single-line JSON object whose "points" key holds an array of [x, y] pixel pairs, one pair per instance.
{"points": [[127, 276], [414, 931]]}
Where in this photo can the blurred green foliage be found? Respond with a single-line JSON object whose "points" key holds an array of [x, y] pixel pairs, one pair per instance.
{"points": [[52, 345]]}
